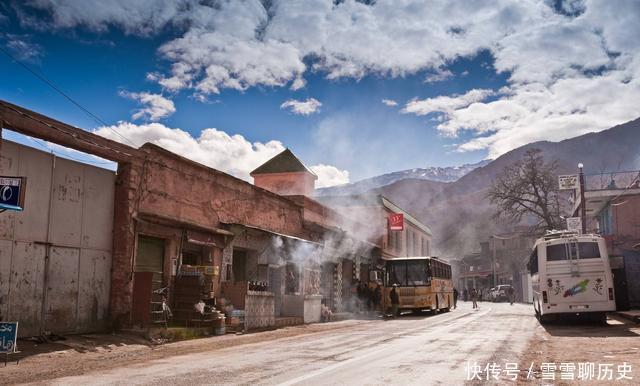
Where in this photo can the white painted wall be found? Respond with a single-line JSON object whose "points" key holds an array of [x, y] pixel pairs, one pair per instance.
{"points": [[55, 256]]}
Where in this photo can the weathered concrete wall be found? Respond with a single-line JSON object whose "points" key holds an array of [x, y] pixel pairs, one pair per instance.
{"points": [[176, 189], [55, 256], [300, 183], [626, 222]]}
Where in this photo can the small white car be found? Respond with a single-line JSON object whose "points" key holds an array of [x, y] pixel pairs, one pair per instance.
{"points": [[500, 293]]}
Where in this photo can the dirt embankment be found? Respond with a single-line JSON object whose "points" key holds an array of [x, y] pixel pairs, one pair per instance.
{"points": [[584, 353]]}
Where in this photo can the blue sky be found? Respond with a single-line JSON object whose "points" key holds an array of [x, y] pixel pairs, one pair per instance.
{"points": [[510, 73]]}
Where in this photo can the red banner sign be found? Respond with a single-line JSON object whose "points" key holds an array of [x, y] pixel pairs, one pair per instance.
{"points": [[396, 222]]}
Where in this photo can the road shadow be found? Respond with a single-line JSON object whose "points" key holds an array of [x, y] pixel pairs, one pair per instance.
{"points": [[85, 343], [576, 327]]}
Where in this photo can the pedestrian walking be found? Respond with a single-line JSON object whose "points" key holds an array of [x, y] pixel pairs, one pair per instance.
{"points": [[395, 301], [455, 298], [465, 295], [474, 297], [377, 297], [512, 294]]}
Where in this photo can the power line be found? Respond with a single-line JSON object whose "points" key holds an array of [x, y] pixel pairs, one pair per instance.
{"points": [[74, 136], [63, 155], [53, 86]]}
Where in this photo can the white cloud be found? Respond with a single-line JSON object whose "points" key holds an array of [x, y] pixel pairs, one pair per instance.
{"points": [[232, 154], [142, 17], [572, 66], [154, 106], [23, 49], [306, 107], [389, 102], [445, 104], [438, 76], [329, 176]]}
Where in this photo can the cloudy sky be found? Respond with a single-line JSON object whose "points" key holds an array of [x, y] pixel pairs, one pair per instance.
{"points": [[354, 88]]}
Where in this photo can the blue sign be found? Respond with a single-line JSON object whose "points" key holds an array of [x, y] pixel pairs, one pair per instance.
{"points": [[8, 337], [12, 193]]}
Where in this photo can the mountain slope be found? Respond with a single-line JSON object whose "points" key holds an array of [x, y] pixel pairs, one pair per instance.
{"points": [[437, 174], [459, 213]]}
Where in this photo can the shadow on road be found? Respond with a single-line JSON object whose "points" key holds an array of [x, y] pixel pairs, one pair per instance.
{"points": [[574, 327], [78, 343]]}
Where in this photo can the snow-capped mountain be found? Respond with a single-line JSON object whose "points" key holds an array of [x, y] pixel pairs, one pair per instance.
{"points": [[437, 174]]}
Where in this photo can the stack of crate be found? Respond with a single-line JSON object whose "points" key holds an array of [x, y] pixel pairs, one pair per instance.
{"points": [[188, 291]]}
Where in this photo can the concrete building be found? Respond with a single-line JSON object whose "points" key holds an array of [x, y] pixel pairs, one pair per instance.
{"points": [[414, 240], [178, 232], [347, 249], [286, 175], [502, 259], [612, 207], [55, 255]]}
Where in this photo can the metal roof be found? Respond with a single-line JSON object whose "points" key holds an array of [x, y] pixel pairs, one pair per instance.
{"points": [[412, 258], [285, 162]]}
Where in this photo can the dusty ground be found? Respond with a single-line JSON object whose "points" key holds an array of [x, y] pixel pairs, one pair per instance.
{"points": [[409, 350], [81, 354], [441, 349], [574, 343]]}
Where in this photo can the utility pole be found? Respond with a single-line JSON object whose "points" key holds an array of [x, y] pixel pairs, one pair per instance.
{"points": [[583, 204], [493, 246]]}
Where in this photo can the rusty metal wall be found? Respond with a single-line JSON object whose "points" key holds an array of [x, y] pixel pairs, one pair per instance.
{"points": [[55, 256]]}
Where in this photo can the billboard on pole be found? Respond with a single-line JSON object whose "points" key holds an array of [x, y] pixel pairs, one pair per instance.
{"points": [[574, 224], [569, 181]]}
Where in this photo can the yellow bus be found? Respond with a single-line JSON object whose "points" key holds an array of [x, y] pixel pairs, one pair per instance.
{"points": [[423, 283]]}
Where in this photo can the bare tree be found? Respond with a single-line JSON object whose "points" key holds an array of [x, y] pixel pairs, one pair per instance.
{"points": [[528, 188]]}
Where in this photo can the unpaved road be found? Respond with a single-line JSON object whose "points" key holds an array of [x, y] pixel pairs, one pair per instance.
{"points": [[408, 350]]}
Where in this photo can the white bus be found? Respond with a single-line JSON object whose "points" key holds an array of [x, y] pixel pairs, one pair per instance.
{"points": [[570, 275]]}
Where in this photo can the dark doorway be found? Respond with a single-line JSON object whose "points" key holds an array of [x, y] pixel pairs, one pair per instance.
{"points": [[147, 276], [621, 289], [239, 265]]}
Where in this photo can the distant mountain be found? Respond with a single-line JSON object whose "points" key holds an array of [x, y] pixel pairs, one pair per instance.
{"points": [[459, 213], [437, 174]]}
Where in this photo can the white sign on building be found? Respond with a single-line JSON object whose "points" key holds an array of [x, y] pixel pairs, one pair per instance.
{"points": [[570, 181], [574, 224]]}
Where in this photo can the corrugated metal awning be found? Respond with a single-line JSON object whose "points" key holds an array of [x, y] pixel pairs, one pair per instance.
{"points": [[199, 238], [289, 237]]}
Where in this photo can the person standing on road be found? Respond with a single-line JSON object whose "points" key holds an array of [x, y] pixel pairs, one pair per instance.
{"points": [[455, 298], [512, 294], [474, 297], [465, 294], [395, 301]]}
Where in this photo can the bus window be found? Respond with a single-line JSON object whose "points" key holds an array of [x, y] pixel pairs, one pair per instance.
{"points": [[397, 273], [557, 252], [589, 250], [417, 272], [533, 262]]}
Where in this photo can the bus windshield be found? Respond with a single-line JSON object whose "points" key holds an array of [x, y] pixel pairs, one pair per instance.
{"points": [[409, 272], [585, 250]]}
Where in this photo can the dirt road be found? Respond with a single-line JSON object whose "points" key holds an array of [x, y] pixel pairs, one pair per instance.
{"points": [[409, 350]]}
